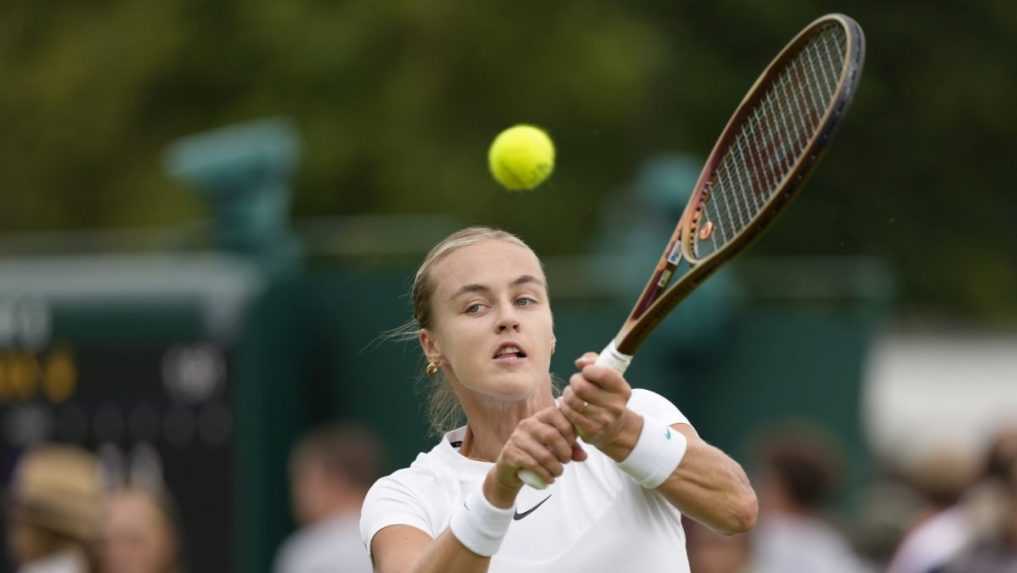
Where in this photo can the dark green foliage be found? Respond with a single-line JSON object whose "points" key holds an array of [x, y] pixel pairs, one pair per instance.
{"points": [[397, 102]]}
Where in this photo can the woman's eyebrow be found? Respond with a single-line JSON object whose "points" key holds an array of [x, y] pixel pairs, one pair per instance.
{"points": [[526, 279], [474, 287], [477, 287]]}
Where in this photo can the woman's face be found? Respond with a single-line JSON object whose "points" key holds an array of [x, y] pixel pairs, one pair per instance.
{"points": [[138, 536], [492, 330]]}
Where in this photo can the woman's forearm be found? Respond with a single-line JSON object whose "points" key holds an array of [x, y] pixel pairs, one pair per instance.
{"points": [[447, 554], [711, 488]]}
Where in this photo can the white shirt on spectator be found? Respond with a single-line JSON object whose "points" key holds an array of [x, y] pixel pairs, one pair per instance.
{"points": [[63, 562], [332, 546], [793, 544]]}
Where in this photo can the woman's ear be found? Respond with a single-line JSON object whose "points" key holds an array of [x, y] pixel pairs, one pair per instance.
{"points": [[429, 346]]}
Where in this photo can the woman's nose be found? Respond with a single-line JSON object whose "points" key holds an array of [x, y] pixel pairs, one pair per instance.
{"points": [[507, 318]]}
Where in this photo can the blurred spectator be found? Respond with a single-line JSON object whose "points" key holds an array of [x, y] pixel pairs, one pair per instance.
{"points": [[991, 510], [942, 528], [55, 511], [331, 470], [141, 536], [799, 476], [887, 509], [711, 552]]}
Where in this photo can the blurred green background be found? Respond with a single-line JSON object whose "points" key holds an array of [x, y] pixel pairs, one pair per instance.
{"points": [[397, 101], [391, 106]]}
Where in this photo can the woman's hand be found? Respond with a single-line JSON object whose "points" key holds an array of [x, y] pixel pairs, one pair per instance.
{"points": [[543, 444], [595, 403]]}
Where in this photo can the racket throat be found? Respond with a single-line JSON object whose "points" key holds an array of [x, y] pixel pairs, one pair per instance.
{"points": [[657, 284], [661, 278]]}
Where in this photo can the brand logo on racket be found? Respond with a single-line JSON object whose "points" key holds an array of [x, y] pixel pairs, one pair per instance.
{"points": [[676, 253], [706, 230]]}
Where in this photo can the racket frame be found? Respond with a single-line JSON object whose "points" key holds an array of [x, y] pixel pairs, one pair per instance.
{"points": [[656, 300]]}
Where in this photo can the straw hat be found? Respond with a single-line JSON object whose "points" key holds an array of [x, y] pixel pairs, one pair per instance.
{"points": [[59, 488]]}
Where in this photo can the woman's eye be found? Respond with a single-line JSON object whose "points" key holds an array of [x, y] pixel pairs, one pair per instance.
{"points": [[473, 308], [525, 301]]}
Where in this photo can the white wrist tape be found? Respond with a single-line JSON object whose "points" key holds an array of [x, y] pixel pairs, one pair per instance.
{"points": [[658, 452], [479, 525], [611, 358]]}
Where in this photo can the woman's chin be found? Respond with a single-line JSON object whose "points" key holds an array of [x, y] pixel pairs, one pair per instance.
{"points": [[510, 389]]}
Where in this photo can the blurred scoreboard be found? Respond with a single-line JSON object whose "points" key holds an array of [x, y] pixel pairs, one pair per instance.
{"points": [[126, 355]]}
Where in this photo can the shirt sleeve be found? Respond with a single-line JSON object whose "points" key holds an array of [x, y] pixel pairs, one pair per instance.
{"points": [[392, 501], [649, 403]]}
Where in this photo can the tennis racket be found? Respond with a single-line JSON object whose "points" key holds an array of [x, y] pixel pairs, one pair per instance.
{"points": [[760, 162]]}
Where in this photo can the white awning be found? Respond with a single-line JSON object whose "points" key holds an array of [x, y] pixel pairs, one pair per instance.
{"points": [[934, 392]]}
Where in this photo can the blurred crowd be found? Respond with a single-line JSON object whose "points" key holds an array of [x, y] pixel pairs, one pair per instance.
{"points": [[71, 511], [945, 513]]}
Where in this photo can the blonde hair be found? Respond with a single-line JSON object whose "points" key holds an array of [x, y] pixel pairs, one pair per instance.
{"points": [[443, 410], [59, 488], [58, 498]]}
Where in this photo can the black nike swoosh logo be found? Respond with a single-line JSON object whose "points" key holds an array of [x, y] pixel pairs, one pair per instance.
{"points": [[517, 516]]}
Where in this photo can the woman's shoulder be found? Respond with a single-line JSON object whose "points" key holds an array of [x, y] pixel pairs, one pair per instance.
{"points": [[415, 495], [649, 403], [428, 472], [421, 474]]}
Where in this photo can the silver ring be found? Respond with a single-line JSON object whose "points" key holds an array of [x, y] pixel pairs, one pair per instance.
{"points": [[585, 406]]}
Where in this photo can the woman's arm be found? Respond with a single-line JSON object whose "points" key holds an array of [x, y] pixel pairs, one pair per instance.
{"points": [[707, 485], [711, 488], [542, 443], [406, 549]]}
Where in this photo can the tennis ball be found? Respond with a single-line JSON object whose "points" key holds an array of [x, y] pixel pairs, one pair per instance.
{"points": [[521, 157]]}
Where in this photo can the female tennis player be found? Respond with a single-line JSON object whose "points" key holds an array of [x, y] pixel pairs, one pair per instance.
{"points": [[622, 465]]}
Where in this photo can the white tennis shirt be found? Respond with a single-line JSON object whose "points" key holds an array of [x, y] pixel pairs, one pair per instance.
{"points": [[593, 518]]}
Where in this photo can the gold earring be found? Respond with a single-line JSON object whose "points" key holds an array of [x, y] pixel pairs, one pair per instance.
{"points": [[431, 369]]}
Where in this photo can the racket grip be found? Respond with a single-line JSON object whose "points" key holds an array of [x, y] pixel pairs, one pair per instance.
{"points": [[611, 358], [531, 479]]}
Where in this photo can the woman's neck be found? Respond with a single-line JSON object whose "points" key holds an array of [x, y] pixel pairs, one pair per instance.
{"points": [[490, 423]]}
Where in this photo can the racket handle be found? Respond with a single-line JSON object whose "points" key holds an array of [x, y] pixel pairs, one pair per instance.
{"points": [[531, 479], [611, 358]]}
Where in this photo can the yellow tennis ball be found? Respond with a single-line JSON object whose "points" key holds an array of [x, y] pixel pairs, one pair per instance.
{"points": [[521, 157]]}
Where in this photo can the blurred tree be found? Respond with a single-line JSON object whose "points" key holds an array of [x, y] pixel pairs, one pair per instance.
{"points": [[397, 102]]}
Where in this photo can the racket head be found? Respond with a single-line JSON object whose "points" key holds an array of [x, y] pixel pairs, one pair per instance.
{"points": [[760, 161], [775, 138]]}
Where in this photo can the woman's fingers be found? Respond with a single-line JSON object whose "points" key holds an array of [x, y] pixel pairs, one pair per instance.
{"points": [[541, 433], [517, 458], [586, 360], [584, 392], [543, 443], [555, 418], [595, 402]]}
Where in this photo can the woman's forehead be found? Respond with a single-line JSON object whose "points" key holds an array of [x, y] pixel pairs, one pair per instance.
{"points": [[490, 263]]}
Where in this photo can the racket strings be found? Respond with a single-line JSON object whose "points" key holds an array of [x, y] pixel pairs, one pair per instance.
{"points": [[771, 140]]}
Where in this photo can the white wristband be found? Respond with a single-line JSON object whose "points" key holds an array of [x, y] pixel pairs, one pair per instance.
{"points": [[658, 452], [479, 525]]}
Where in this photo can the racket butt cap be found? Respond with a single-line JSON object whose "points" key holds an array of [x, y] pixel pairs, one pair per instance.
{"points": [[532, 479]]}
